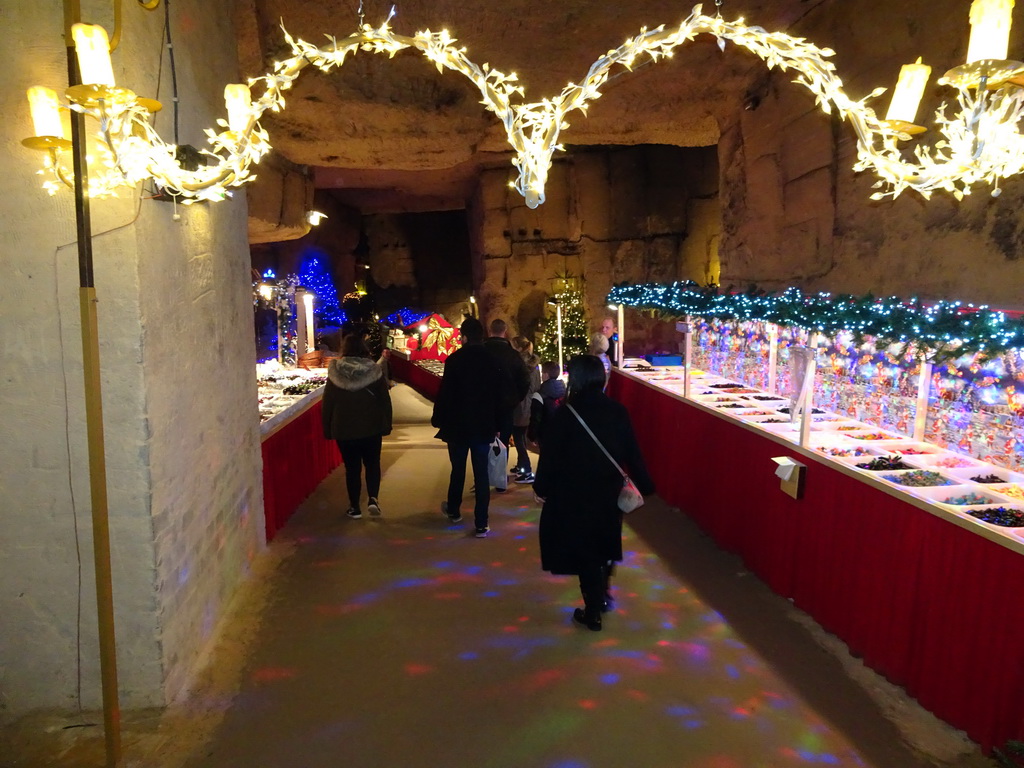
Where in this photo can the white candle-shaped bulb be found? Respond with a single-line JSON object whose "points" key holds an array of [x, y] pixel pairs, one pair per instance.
{"points": [[990, 29], [45, 112], [307, 299], [906, 97], [93, 50], [239, 102]]}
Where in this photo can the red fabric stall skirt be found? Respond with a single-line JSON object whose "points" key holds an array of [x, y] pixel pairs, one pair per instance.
{"points": [[296, 459], [930, 605]]}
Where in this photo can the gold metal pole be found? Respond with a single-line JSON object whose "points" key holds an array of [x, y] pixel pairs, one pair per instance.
{"points": [[100, 526], [94, 416]]}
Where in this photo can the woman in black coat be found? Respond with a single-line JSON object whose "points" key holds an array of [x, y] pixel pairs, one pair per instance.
{"points": [[580, 524], [357, 415]]}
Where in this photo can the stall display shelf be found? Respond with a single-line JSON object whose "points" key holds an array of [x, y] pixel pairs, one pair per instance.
{"points": [[284, 392], [931, 476]]}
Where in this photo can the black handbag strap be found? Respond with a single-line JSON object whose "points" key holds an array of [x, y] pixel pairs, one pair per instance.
{"points": [[599, 444]]}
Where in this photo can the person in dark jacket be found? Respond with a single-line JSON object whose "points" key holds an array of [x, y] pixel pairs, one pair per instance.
{"points": [[545, 401], [357, 414], [580, 523], [523, 470], [514, 377], [467, 413]]}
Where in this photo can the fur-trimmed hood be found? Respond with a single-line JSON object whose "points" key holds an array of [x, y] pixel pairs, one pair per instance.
{"points": [[352, 373]]}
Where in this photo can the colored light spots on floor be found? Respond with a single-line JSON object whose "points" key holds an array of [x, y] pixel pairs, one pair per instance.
{"points": [[587, 704], [409, 583], [610, 678], [415, 670], [544, 679]]}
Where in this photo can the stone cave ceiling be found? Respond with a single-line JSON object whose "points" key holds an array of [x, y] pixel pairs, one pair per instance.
{"points": [[398, 123]]}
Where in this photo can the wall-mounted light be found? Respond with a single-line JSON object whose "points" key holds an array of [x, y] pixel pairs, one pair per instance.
{"points": [[906, 97], [315, 217], [49, 130], [238, 100]]}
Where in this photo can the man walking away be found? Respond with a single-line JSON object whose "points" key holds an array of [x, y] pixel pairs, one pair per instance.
{"points": [[466, 414]]}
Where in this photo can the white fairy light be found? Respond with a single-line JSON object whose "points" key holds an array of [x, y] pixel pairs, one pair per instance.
{"points": [[981, 144]]}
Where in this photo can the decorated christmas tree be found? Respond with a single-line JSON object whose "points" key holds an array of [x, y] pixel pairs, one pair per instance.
{"points": [[575, 339], [315, 278]]}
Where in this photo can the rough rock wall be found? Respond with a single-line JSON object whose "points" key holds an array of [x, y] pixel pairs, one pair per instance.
{"points": [[420, 260], [794, 213], [279, 200], [612, 215]]}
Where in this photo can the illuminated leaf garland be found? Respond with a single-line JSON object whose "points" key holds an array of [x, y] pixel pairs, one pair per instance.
{"points": [[940, 331], [980, 144]]}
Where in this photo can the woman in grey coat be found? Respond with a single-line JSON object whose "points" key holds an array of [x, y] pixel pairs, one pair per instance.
{"points": [[357, 415]]}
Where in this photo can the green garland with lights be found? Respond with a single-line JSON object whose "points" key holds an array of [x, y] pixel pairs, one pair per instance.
{"points": [[941, 331]]}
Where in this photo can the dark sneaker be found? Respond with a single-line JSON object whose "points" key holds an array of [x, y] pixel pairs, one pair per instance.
{"points": [[516, 470], [525, 478], [373, 507], [354, 513], [456, 518], [501, 490], [481, 533]]}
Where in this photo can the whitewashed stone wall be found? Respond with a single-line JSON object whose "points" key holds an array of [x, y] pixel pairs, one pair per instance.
{"points": [[176, 350]]}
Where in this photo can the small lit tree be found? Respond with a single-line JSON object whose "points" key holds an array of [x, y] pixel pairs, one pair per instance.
{"points": [[575, 340]]}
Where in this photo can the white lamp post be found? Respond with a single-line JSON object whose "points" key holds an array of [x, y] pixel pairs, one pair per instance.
{"points": [[558, 323]]}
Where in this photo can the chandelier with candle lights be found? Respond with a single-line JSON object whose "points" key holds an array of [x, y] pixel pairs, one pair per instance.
{"points": [[980, 144]]}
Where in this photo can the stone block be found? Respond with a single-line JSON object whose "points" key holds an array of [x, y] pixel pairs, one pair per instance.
{"points": [[593, 194], [807, 145]]}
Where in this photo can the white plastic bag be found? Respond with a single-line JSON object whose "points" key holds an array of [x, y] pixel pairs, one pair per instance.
{"points": [[497, 465]]}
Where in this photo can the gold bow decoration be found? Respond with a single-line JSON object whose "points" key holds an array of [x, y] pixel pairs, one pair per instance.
{"points": [[440, 337]]}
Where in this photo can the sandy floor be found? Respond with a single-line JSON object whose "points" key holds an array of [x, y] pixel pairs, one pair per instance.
{"points": [[404, 641]]}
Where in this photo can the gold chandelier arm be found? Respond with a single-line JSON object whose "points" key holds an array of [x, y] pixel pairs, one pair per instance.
{"points": [[67, 179], [115, 38]]}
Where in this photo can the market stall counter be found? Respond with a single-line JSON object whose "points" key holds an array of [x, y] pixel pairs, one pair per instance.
{"points": [[296, 457], [422, 375], [926, 597]]}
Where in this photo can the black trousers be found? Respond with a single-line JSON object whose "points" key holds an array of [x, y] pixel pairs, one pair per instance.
{"points": [[457, 480], [522, 455], [357, 455], [595, 583]]}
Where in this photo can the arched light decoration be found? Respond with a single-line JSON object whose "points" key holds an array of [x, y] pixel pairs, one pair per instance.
{"points": [[980, 144]]}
